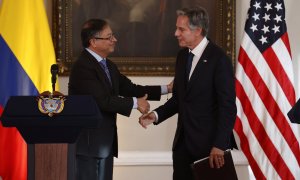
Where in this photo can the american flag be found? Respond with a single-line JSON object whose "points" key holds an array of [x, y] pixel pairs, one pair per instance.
{"points": [[265, 93]]}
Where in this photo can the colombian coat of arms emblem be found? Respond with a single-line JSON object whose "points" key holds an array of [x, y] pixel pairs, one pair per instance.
{"points": [[51, 104]]}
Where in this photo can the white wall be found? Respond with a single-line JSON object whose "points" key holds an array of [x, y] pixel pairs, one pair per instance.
{"points": [[293, 27]]}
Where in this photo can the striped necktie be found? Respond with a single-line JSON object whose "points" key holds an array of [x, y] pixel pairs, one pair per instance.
{"points": [[104, 66]]}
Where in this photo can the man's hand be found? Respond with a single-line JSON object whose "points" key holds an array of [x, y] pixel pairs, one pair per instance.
{"points": [[147, 119], [143, 105], [170, 86], [216, 157]]}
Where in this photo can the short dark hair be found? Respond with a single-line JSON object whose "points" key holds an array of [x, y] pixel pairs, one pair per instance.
{"points": [[198, 17], [90, 28]]}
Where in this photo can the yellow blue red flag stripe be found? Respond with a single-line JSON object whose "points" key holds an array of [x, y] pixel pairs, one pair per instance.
{"points": [[26, 55], [14, 80]]}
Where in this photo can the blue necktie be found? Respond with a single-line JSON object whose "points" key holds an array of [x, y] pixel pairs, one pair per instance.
{"points": [[189, 64], [104, 66]]}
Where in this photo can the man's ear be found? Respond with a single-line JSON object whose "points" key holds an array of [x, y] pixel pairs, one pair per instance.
{"points": [[92, 42], [198, 31]]}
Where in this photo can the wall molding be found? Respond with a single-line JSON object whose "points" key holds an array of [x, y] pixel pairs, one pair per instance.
{"points": [[162, 158]]}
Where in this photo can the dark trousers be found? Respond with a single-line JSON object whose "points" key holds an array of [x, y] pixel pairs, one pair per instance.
{"points": [[92, 168], [182, 161]]}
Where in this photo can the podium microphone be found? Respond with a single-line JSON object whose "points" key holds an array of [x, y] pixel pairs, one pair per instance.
{"points": [[54, 72]]}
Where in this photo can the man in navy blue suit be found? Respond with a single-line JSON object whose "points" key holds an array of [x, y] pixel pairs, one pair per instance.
{"points": [[203, 97]]}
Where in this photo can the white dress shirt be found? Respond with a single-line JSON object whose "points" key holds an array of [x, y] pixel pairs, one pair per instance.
{"points": [[197, 51]]}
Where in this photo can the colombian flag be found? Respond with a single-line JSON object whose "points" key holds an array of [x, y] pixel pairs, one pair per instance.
{"points": [[26, 55]]}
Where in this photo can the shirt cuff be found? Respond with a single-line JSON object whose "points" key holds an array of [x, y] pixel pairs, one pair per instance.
{"points": [[134, 103], [156, 116], [164, 89]]}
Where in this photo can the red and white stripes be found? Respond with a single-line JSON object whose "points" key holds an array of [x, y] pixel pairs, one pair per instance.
{"points": [[265, 93]]}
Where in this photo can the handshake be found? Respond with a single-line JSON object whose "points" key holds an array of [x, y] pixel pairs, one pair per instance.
{"points": [[144, 107]]}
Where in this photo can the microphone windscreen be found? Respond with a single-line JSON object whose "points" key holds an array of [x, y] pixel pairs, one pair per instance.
{"points": [[54, 68]]}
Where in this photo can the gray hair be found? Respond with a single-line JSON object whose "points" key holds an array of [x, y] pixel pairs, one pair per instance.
{"points": [[198, 18]]}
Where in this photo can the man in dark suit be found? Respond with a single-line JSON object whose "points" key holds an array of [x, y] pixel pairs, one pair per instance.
{"points": [[93, 74], [203, 97]]}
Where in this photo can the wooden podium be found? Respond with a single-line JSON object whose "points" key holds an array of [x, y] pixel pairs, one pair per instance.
{"points": [[49, 137]]}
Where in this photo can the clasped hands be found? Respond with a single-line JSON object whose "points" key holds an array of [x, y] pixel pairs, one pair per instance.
{"points": [[144, 107]]}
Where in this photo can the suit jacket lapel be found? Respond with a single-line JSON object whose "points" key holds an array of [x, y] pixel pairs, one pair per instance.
{"points": [[197, 70], [100, 71]]}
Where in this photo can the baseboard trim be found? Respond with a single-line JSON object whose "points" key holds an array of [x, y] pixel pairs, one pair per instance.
{"points": [[162, 158]]}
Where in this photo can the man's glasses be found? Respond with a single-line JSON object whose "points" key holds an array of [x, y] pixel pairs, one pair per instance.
{"points": [[110, 37]]}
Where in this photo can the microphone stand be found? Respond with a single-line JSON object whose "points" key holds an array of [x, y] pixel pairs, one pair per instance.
{"points": [[54, 72]]}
